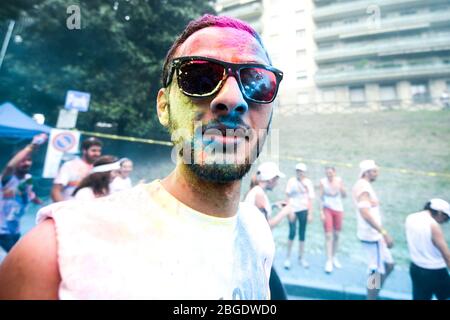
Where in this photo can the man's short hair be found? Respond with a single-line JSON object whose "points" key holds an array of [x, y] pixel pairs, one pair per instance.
{"points": [[89, 142], [206, 21]]}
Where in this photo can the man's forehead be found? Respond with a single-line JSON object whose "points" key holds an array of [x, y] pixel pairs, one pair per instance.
{"points": [[230, 44]]}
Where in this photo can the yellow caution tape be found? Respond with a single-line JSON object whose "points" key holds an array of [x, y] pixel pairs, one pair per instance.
{"points": [[350, 165], [299, 159], [133, 139]]}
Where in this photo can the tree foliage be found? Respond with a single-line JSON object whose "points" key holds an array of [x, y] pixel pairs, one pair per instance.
{"points": [[116, 55]]}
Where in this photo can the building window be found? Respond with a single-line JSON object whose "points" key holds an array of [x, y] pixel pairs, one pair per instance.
{"points": [[408, 12], [357, 96], [328, 95], [324, 25], [300, 34], [301, 77], [420, 92], [351, 21], [300, 14], [388, 93], [301, 56]]}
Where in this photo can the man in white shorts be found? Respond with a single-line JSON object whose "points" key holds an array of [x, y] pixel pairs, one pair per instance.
{"points": [[370, 231], [185, 236]]}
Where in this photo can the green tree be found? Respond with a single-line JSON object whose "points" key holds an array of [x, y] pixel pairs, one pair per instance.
{"points": [[116, 55]]}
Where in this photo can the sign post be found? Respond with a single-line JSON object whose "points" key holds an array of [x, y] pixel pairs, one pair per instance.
{"points": [[60, 142]]}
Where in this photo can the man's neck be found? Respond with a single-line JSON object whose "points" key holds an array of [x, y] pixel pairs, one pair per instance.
{"points": [[214, 199]]}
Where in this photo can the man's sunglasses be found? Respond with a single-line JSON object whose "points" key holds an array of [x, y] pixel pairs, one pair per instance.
{"points": [[200, 77]]}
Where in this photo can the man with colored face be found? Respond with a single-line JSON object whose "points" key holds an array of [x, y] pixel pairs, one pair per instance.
{"points": [[16, 192], [186, 236]]}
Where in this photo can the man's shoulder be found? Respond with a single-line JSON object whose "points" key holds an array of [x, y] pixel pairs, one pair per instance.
{"points": [[361, 184], [74, 163], [117, 203]]}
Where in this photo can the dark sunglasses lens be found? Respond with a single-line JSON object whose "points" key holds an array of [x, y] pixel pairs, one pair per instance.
{"points": [[199, 77], [259, 84]]}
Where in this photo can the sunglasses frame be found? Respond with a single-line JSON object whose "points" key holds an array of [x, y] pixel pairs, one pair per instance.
{"points": [[230, 69]]}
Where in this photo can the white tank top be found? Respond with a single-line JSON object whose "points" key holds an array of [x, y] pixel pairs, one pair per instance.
{"points": [[143, 243], [365, 231], [422, 250], [251, 196], [332, 197]]}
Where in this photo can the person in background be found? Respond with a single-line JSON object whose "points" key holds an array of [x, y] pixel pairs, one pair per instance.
{"points": [[374, 238], [266, 179], [17, 192], [122, 181], [429, 252], [300, 192], [331, 191], [73, 171], [445, 100], [97, 183]]}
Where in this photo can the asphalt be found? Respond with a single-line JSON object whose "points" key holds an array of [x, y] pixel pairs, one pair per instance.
{"points": [[347, 283]]}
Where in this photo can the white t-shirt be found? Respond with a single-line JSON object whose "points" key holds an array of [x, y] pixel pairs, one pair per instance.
{"points": [[119, 184], [85, 194], [251, 198], [422, 250], [143, 243], [70, 175], [300, 193], [365, 231]]}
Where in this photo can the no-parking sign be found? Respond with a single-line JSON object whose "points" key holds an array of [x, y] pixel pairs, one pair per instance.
{"points": [[64, 141], [61, 142]]}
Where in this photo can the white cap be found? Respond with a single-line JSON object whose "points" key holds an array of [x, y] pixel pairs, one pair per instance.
{"points": [[301, 166], [366, 165], [440, 205], [269, 170]]}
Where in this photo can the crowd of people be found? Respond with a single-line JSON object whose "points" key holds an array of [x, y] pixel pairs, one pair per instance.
{"points": [[87, 177], [188, 235], [429, 253]]}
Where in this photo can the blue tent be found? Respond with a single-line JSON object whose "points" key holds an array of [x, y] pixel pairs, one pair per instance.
{"points": [[16, 124]]}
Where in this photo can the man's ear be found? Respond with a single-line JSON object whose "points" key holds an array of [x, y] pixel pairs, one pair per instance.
{"points": [[162, 106]]}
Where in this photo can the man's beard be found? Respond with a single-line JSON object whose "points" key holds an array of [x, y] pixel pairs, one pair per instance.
{"points": [[225, 171], [220, 173]]}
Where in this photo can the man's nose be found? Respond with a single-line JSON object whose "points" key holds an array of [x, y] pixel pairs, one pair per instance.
{"points": [[229, 100]]}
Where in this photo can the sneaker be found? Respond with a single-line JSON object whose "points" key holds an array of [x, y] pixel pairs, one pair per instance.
{"points": [[329, 266], [287, 264], [304, 263], [336, 263]]}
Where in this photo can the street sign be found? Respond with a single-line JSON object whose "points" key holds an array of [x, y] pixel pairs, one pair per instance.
{"points": [[77, 100], [61, 143], [67, 119]]}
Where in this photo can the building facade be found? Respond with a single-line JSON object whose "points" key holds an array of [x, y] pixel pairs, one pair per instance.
{"points": [[348, 55]]}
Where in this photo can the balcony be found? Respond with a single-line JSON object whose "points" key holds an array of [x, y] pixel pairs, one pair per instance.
{"points": [[244, 11], [387, 47], [387, 25], [361, 76], [349, 9]]}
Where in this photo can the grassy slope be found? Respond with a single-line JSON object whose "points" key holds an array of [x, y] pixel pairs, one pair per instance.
{"points": [[412, 140]]}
